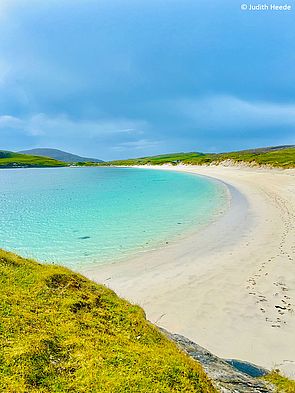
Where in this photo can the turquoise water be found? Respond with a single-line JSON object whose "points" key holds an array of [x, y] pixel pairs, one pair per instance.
{"points": [[85, 216]]}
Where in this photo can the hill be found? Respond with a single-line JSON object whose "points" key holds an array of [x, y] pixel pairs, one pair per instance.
{"points": [[278, 156], [10, 159], [61, 332], [59, 155]]}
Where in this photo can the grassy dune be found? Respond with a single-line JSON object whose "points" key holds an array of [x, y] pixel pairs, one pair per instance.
{"points": [[61, 332], [275, 157], [16, 160]]}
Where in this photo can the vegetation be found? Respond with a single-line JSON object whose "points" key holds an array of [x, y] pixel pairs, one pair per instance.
{"points": [[281, 156], [276, 157], [283, 384], [9, 159], [61, 332]]}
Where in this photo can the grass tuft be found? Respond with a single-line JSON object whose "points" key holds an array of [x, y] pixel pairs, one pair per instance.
{"points": [[282, 384]]}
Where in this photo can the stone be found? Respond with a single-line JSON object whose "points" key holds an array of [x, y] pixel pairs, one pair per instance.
{"points": [[224, 376]]}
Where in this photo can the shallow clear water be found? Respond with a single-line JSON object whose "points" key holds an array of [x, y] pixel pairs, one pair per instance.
{"points": [[83, 216]]}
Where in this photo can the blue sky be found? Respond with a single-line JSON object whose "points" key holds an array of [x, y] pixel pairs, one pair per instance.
{"points": [[117, 79]]}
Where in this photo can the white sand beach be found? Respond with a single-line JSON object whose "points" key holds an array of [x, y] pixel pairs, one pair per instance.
{"points": [[231, 286]]}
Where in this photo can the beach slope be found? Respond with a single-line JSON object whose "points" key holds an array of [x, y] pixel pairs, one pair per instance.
{"points": [[231, 286]]}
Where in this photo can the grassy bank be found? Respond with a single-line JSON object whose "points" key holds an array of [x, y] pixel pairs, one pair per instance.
{"points": [[16, 160], [275, 157], [61, 332], [283, 384]]}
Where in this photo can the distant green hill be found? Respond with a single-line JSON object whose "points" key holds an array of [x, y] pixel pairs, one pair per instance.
{"points": [[59, 155], [61, 332], [278, 156], [10, 159]]}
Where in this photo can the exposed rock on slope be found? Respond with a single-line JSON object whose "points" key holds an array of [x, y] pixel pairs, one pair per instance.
{"points": [[225, 377]]}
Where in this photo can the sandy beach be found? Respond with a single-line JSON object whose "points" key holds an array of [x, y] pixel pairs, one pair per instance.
{"points": [[229, 287]]}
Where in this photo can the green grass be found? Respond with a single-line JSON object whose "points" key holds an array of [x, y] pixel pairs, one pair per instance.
{"points": [[283, 384], [60, 332], [16, 160], [284, 158], [160, 159]]}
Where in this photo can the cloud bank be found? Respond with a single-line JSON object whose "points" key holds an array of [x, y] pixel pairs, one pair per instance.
{"points": [[115, 79]]}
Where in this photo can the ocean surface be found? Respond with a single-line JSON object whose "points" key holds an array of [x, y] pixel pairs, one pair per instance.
{"points": [[80, 217]]}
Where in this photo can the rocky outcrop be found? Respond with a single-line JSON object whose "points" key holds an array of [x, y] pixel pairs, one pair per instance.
{"points": [[225, 377]]}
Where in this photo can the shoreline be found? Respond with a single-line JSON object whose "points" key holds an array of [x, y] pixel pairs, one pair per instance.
{"points": [[229, 287]]}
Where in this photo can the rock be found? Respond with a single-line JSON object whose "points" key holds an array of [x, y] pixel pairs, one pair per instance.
{"points": [[225, 377], [247, 368]]}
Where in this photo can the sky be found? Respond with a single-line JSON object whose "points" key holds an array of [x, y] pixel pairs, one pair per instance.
{"points": [[128, 78]]}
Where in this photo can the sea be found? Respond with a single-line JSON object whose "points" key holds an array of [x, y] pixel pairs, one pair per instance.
{"points": [[83, 217]]}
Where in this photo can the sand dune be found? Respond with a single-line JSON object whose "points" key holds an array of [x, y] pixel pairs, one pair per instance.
{"points": [[231, 286]]}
